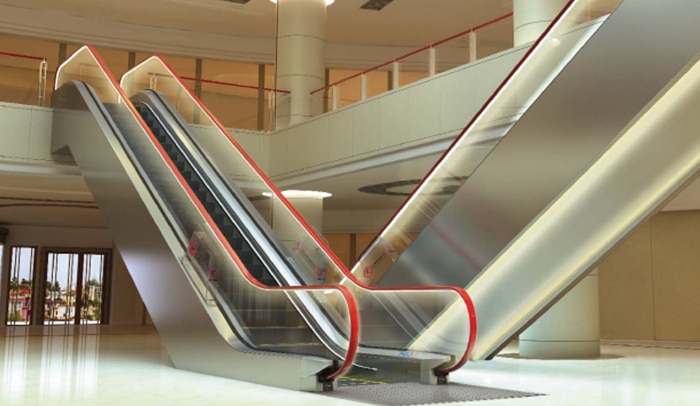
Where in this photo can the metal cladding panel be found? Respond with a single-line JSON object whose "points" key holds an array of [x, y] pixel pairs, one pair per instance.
{"points": [[642, 46], [151, 250]]}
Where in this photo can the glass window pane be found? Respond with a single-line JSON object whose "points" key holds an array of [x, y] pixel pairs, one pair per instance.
{"points": [[19, 77], [413, 68], [60, 288], [234, 107], [91, 308], [349, 91], [184, 66], [117, 60], [19, 307]]}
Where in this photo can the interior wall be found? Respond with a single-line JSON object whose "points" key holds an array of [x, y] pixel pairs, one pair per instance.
{"points": [[626, 289], [675, 262], [348, 246], [126, 304], [649, 285]]}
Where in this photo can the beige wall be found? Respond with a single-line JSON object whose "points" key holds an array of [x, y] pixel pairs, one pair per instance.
{"points": [[341, 246], [348, 246], [650, 284]]}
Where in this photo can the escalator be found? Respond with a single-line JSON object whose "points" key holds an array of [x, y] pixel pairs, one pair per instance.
{"points": [[390, 319], [198, 286], [518, 231], [214, 204]]}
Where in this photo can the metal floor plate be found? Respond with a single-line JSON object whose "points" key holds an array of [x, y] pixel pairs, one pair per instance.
{"points": [[400, 394]]}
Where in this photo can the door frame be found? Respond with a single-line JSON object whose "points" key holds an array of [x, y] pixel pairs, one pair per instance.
{"points": [[40, 284]]}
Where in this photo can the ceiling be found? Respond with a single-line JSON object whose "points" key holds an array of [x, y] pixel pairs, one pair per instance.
{"points": [[401, 23], [47, 200]]}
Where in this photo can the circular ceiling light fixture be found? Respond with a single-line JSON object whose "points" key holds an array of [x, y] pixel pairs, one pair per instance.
{"points": [[328, 2], [312, 194]]}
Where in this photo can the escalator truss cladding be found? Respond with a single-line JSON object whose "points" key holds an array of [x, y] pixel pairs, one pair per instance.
{"points": [[221, 286]]}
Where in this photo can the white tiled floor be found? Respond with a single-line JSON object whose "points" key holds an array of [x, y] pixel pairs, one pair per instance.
{"points": [[132, 368]]}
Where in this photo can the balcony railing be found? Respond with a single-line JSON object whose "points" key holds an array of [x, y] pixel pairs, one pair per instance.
{"points": [[410, 67], [238, 105], [23, 78]]}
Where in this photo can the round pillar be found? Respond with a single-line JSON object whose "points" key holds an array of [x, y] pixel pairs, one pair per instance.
{"points": [[301, 59], [569, 329], [531, 18]]}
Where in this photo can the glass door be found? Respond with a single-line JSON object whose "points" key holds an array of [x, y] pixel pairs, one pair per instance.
{"points": [[20, 288], [92, 292], [74, 287], [60, 288]]}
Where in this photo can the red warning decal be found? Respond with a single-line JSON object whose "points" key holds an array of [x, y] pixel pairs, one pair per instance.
{"points": [[367, 272]]}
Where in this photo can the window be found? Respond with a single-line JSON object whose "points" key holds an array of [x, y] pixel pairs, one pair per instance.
{"points": [[75, 287], [20, 289]]}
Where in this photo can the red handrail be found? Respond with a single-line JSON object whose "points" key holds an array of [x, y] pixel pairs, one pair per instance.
{"points": [[353, 340], [23, 56], [419, 50], [216, 82], [463, 295]]}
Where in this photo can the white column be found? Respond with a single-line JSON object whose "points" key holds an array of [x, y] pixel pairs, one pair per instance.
{"points": [[570, 328], [531, 18], [301, 54]]}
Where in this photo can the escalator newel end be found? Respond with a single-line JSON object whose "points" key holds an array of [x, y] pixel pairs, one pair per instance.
{"points": [[442, 378]]}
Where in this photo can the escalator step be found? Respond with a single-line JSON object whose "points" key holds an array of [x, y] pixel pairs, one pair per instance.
{"points": [[246, 256], [228, 231], [236, 242], [230, 286], [218, 218], [256, 271]]}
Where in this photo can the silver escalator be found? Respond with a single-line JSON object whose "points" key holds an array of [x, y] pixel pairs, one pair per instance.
{"points": [[484, 235], [198, 286], [390, 319], [247, 232]]}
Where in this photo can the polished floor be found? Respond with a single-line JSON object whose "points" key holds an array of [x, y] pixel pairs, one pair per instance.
{"points": [[130, 367]]}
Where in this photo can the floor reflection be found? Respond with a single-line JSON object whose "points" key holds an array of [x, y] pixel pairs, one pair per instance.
{"points": [[62, 363], [91, 365]]}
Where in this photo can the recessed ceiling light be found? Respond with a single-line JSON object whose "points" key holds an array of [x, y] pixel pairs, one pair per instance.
{"points": [[328, 2]]}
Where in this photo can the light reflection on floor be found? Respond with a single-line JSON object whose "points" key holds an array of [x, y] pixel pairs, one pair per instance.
{"points": [[53, 366]]}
